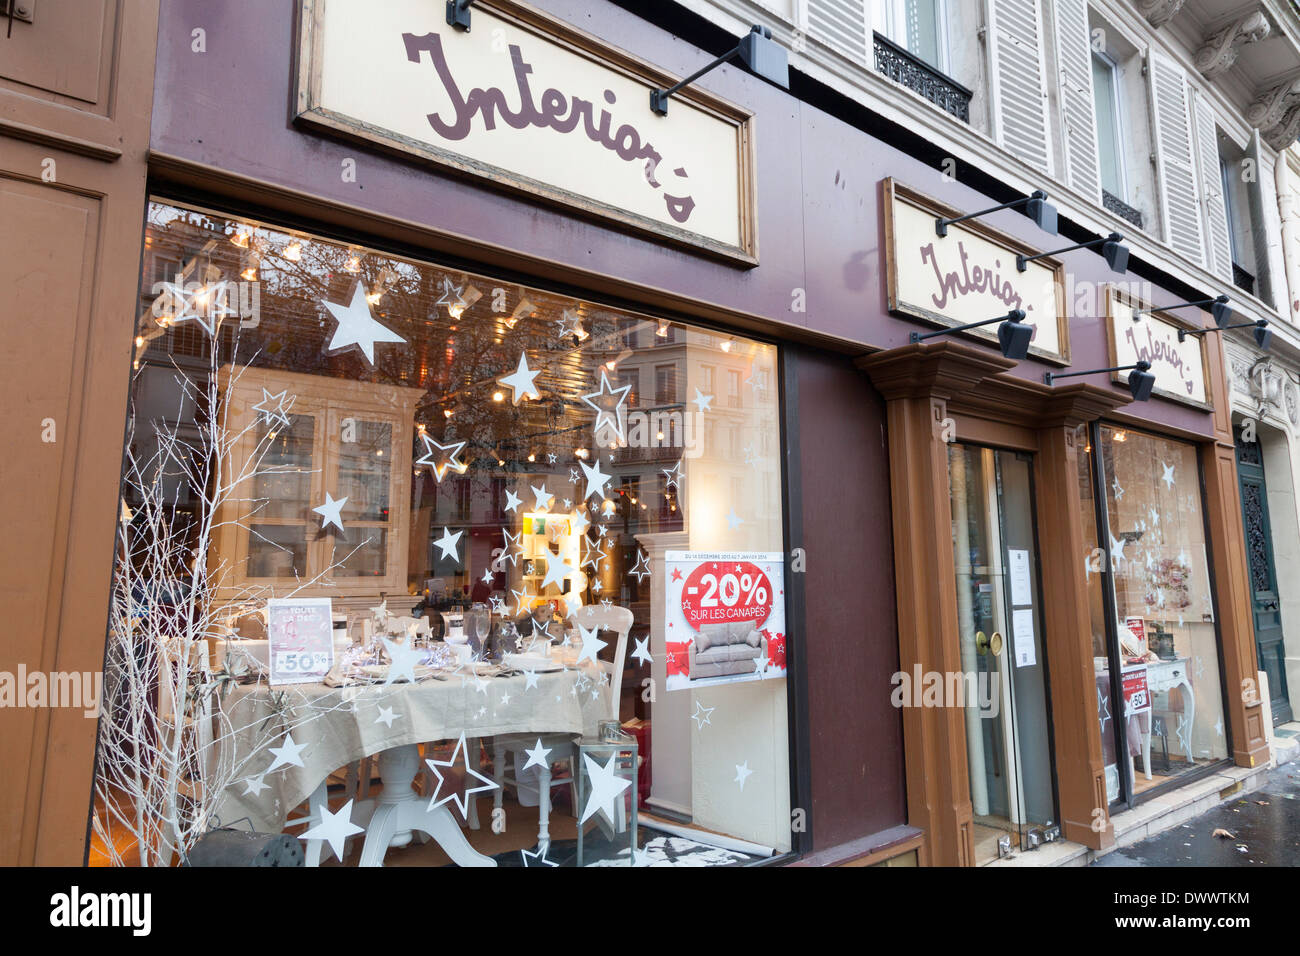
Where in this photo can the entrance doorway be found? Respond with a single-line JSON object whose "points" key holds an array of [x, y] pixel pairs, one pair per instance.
{"points": [[1265, 603], [1008, 731]]}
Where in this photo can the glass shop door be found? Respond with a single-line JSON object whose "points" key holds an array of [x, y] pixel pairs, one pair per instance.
{"points": [[1008, 729]]}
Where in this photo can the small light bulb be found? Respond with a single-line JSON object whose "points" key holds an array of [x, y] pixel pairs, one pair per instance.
{"points": [[139, 341], [447, 413], [726, 346], [498, 396], [374, 297], [293, 251], [532, 457], [249, 274]]}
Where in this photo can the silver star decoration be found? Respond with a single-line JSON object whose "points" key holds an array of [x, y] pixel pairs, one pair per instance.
{"points": [[539, 856], [356, 326], [451, 296], [609, 404], [280, 413], [640, 570], [461, 799], [441, 458], [701, 715]]}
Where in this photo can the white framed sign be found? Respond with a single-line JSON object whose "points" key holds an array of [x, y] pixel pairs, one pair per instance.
{"points": [[1180, 368], [969, 275], [525, 102], [724, 617], [300, 639]]}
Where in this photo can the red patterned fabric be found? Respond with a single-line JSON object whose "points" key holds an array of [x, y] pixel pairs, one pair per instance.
{"points": [[775, 649], [679, 658]]}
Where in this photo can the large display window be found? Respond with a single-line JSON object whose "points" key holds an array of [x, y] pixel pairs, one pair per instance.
{"points": [[449, 569], [1155, 640]]}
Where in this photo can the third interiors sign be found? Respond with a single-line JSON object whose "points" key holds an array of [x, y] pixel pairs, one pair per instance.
{"points": [[529, 103]]}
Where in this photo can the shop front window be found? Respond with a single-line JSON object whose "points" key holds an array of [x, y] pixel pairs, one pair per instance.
{"points": [[403, 527], [1168, 700]]}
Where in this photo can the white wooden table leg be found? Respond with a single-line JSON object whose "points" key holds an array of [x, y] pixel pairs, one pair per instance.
{"points": [[473, 751]]}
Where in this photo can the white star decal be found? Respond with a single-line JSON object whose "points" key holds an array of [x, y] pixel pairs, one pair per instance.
{"points": [[734, 521], [402, 660], [1119, 492], [674, 475], [557, 569], [701, 715], [331, 512], [544, 498], [591, 644], [742, 774], [1117, 546], [540, 855], [530, 680], [1168, 476], [461, 799], [356, 326], [609, 405], [288, 754], [537, 756], [334, 829], [641, 570], [512, 501], [280, 413], [642, 651], [702, 402], [513, 550], [451, 297], [255, 785], [386, 717], [447, 543], [1103, 709], [441, 458], [521, 384], [606, 787], [596, 479]]}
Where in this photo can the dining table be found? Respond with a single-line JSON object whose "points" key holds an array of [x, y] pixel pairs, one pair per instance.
{"points": [[280, 744]]}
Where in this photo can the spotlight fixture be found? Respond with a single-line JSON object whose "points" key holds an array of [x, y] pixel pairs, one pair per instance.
{"points": [[1112, 247], [458, 14], [1013, 334], [1036, 206], [1220, 308], [758, 53], [1263, 334], [1140, 380]]}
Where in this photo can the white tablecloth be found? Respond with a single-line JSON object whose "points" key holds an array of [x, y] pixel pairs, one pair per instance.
{"points": [[337, 726]]}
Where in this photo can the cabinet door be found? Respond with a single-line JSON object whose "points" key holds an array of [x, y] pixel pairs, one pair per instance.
{"points": [[360, 454], [280, 523]]}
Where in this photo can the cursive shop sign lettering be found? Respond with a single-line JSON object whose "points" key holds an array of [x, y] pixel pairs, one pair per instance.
{"points": [[969, 275], [529, 104], [1179, 367]]}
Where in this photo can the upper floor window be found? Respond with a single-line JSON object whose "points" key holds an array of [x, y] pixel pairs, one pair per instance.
{"points": [[918, 27], [1105, 92]]}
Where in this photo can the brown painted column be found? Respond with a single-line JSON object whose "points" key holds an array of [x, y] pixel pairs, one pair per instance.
{"points": [[1067, 621], [1231, 580], [916, 382]]}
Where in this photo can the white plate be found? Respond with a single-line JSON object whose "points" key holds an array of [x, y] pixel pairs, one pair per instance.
{"points": [[533, 662]]}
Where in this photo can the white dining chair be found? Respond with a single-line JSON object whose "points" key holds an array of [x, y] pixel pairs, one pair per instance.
{"points": [[562, 746]]}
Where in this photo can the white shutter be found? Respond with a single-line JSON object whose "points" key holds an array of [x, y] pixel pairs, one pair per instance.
{"points": [[1179, 188], [1018, 90], [1078, 107], [843, 25], [1215, 210]]}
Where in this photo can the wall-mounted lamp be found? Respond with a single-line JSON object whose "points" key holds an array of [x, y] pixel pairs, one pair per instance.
{"points": [[1263, 334], [1220, 308], [458, 13], [1036, 206], [1140, 380], [1013, 334], [760, 55], [1112, 247]]}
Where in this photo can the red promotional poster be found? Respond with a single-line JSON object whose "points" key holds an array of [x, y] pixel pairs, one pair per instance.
{"points": [[1137, 697], [725, 617]]}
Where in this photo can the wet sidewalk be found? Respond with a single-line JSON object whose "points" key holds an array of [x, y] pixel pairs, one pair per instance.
{"points": [[1264, 826]]}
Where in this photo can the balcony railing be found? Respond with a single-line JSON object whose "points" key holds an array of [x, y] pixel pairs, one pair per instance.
{"points": [[903, 67], [1120, 208]]}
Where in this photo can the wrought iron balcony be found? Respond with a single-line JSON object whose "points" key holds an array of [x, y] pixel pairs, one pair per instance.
{"points": [[903, 67], [1120, 208]]}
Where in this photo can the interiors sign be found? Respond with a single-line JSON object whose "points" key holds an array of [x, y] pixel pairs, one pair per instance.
{"points": [[1179, 367], [969, 275], [527, 103]]}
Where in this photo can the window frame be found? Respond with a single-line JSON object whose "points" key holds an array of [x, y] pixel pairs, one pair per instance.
{"points": [[1111, 65]]}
